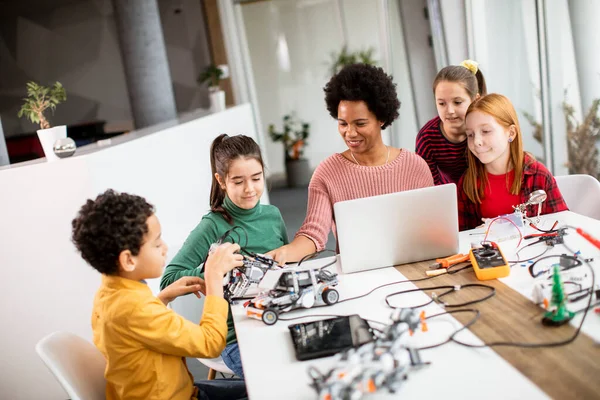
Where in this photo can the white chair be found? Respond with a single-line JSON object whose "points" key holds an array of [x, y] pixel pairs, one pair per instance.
{"points": [[581, 193], [190, 308], [76, 363], [215, 365]]}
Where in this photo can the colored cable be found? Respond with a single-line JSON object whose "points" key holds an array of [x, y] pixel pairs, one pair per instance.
{"points": [[438, 298]]}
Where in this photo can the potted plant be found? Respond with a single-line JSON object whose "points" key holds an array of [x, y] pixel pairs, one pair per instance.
{"points": [[582, 137], [39, 99], [213, 75], [346, 57], [294, 136]]}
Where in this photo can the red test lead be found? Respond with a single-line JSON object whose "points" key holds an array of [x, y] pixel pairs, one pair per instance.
{"points": [[589, 237]]}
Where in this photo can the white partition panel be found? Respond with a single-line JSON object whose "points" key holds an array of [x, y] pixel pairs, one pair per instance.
{"points": [[47, 286]]}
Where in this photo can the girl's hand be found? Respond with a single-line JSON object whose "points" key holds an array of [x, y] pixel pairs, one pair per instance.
{"points": [[485, 220]]}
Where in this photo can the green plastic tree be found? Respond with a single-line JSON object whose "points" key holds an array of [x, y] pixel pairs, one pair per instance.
{"points": [[39, 99], [559, 314]]}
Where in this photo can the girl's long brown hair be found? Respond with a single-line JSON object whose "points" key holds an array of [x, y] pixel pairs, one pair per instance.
{"points": [[499, 107], [474, 84], [223, 151]]}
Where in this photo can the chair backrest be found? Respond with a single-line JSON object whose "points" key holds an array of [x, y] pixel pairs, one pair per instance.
{"points": [[190, 308], [581, 193], [76, 363]]}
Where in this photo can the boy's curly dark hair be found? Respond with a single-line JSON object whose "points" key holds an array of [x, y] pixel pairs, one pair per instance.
{"points": [[364, 82], [108, 225]]}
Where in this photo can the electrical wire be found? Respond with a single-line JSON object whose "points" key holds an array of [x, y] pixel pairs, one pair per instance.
{"points": [[311, 316], [382, 286], [577, 263], [313, 255], [449, 272], [506, 219], [540, 344], [551, 230], [465, 326], [587, 307], [366, 294], [229, 233], [437, 298], [529, 259]]}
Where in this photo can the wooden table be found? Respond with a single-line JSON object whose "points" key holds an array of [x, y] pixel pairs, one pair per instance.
{"points": [[569, 371]]}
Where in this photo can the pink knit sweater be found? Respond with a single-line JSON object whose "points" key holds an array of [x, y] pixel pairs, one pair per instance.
{"points": [[338, 179]]}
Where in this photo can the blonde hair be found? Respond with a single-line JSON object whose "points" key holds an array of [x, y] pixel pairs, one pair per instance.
{"points": [[502, 110]]}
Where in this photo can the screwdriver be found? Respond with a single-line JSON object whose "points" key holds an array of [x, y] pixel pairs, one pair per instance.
{"points": [[449, 261]]}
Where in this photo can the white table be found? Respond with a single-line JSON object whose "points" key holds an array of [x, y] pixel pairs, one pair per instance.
{"points": [[520, 279], [272, 372]]}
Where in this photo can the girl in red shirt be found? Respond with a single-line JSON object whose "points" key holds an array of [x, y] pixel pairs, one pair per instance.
{"points": [[500, 174]]}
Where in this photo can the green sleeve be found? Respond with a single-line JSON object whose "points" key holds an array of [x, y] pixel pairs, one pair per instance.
{"points": [[284, 234], [192, 254]]}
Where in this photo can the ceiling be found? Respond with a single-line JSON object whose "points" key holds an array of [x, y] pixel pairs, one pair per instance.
{"points": [[29, 7]]}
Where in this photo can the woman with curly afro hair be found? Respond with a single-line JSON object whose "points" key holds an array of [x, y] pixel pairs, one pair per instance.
{"points": [[363, 100]]}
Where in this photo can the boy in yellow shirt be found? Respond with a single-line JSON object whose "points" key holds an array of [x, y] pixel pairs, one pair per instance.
{"points": [[144, 342]]}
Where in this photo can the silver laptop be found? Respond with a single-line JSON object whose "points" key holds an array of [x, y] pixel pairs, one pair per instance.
{"points": [[397, 228]]}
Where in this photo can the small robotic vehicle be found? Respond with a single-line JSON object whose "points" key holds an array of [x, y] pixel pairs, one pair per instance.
{"points": [[290, 289], [237, 282], [381, 364]]}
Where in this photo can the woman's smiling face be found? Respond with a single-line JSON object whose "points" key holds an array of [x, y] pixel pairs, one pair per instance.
{"points": [[358, 126]]}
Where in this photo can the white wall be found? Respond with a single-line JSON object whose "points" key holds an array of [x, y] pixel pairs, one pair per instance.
{"points": [[563, 79], [290, 44], [409, 23], [455, 30], [505, 59], [586, 40], [48, 287]]}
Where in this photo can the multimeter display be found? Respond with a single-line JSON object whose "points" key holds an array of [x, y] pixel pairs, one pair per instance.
{"points": [[489, 262], [489, 258]]}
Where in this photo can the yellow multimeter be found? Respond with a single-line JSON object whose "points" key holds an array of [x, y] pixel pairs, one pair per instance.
{"points": [[489, 262]]}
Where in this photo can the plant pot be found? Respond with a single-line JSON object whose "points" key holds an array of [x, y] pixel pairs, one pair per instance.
{"points": [[217, 100], [48, 137], [298, 173]]}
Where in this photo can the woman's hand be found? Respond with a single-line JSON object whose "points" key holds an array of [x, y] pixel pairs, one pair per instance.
{"points": [[300, 247], [280, 255], [185, 285]]}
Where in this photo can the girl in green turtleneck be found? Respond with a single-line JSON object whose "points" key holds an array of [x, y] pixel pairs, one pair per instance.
{"points": [[237, 185]]}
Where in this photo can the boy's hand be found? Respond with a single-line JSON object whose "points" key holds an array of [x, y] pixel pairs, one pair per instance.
{"points": [[185, 285], [221, 260]]}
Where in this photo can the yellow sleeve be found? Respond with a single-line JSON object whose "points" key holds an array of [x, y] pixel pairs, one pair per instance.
{"points": [[164, 331]]}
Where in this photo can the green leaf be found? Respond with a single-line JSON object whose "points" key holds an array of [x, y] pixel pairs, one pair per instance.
{"points": [[40, 98], [211, 74]]}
